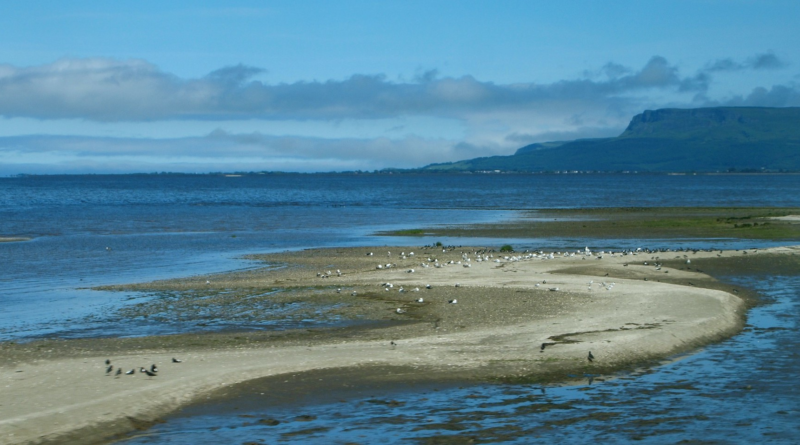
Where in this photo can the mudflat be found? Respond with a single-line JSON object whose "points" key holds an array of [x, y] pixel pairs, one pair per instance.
{"points": [[457, 313]]}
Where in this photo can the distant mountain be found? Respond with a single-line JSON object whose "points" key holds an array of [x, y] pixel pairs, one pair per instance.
{"points": [[667, 140]]}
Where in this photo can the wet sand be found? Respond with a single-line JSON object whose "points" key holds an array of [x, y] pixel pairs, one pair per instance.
{"points": [[622, 310]]}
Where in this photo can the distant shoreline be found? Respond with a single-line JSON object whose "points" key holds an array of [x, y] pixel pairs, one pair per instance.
{"points": [[413, 172]]}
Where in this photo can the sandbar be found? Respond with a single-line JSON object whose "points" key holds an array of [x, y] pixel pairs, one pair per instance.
{"points": [[485, 316]]}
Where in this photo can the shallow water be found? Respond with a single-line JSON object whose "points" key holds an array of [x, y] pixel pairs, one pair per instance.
{"points": [[165, 226], [742, 390]]}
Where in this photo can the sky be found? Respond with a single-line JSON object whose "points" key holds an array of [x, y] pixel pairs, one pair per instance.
{"points": [[319, 86]]}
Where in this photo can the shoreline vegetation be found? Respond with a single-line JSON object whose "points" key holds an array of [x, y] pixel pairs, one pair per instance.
{"points": [[634, 223], [510, 317]]}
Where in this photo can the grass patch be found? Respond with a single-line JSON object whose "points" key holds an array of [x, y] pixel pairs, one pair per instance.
{"points": [[409, 232], [639, 223]]}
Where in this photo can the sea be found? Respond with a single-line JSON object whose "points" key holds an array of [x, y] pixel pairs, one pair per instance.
{"points": [[85, 231]]}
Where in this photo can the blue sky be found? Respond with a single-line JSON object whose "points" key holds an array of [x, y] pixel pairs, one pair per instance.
{"points": [[360, 85]]}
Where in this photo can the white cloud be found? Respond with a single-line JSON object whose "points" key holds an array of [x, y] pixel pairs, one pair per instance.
{"points": [[134, 90]]}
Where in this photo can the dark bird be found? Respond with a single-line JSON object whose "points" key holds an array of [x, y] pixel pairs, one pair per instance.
{"points": [[108, 362], [392, 343], [149, 374], [544, 345], [131, 372], [153, 368], [174, 360], [109, 369], [142, 370], [590, 357], [119, 372]]}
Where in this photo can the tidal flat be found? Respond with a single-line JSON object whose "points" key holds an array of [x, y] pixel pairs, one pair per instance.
{"points": [[443, 313]]}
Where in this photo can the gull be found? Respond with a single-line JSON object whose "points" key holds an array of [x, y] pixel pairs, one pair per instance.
{"points": [[174, 360], [453, 301], [153, 368], [427, 286], [131, 372], [420, 300], [400, 311]]}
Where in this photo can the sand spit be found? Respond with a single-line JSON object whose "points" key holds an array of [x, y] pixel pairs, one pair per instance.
{"points": [[483, 316], [789, 218], [7, 239]]}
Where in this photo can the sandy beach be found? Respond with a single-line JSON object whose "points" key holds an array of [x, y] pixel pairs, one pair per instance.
{"points": [[485, 316]]}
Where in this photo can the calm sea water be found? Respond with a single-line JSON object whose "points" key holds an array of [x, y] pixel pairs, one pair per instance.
{"points": [[743, 390]]}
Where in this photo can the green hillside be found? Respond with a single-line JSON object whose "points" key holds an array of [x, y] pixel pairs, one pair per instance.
{"points": [[668, 140]]}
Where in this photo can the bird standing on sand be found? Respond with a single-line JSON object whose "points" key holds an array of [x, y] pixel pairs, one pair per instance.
{"points": [[153, 368], [590, 357], [119, 372], [174, 360], [131, 372], [149, 374], [109, 369], [108, 361]]}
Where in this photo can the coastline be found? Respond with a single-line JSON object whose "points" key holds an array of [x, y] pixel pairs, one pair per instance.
{"points": [[493, 331]]}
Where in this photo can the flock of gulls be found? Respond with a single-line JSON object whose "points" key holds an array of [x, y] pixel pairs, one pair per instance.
{"points": [[488, 255], [151, 372]]}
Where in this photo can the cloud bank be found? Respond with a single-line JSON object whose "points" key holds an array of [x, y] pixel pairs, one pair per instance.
{"points": [[498, 118], [134, 90]]}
